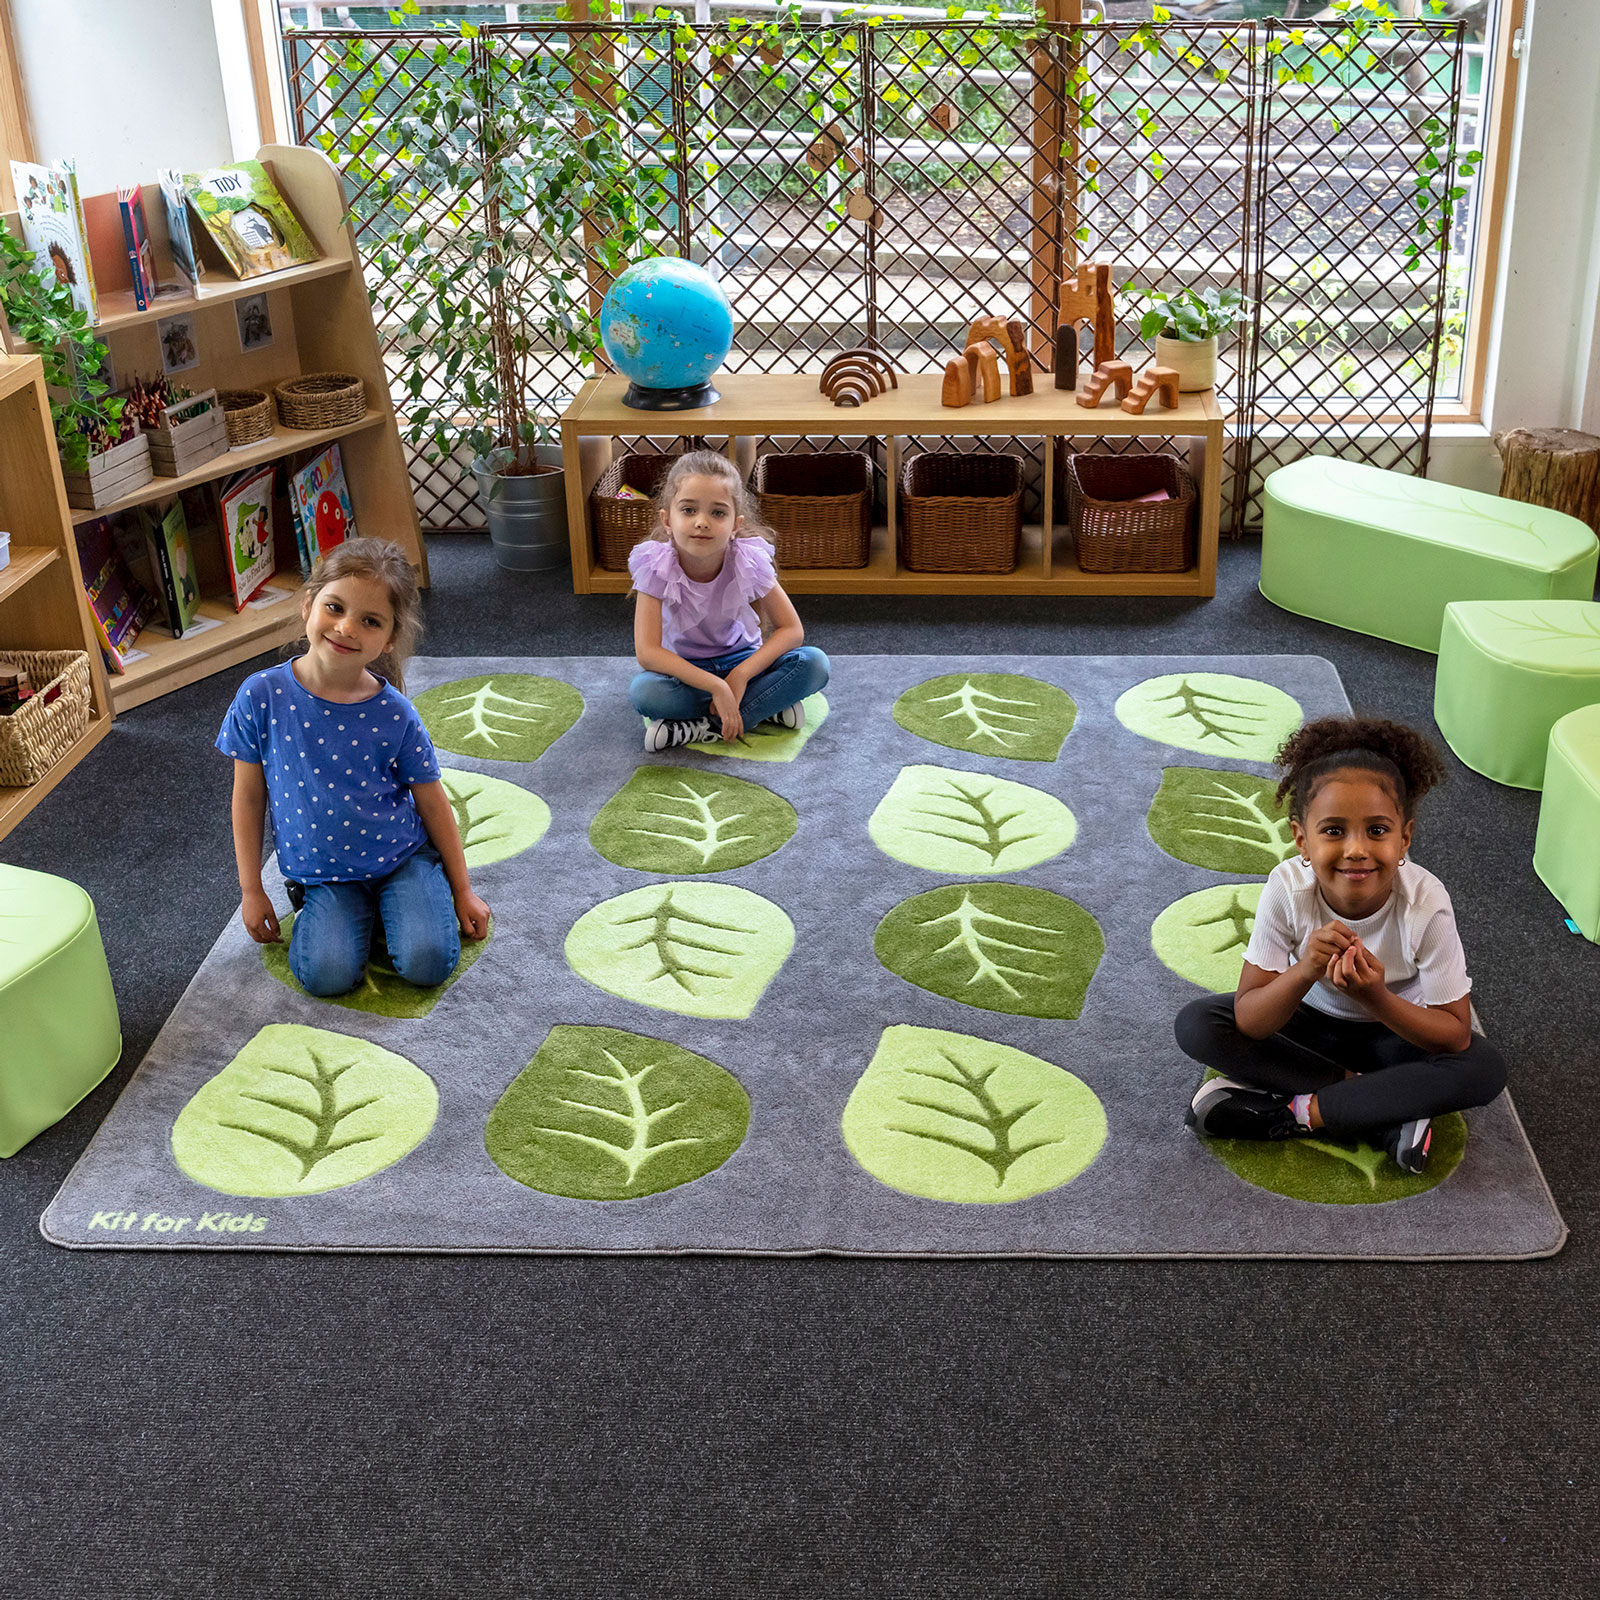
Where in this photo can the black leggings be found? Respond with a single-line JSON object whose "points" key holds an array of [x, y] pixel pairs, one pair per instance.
{"points": [[1312, 1051]]}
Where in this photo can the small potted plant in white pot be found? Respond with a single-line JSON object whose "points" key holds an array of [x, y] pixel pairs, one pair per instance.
{"points": [[1185, 325]]}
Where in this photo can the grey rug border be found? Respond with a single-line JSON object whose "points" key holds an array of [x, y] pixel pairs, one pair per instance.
{"points": [[823, 1253]]}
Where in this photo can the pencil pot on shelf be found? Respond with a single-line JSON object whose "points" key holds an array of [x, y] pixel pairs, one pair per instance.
{"points": [[819, 505], [1114, 529], [622, 506], [110, 474], [44, 727], [960, 512]]}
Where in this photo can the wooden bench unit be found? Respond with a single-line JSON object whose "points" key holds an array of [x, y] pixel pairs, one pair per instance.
{"points": [[756, 405]]}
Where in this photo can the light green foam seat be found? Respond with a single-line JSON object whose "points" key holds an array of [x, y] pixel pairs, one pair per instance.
{"points": [[1508, 672], [1382, 553], [1566, 850], [59, 1034]]}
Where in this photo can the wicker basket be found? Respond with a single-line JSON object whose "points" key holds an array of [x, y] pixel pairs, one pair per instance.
{"points": [[819, 505], [35, 736], [1113, 535], [247, 415], [621, 522], [960, 512], [322, 400]]}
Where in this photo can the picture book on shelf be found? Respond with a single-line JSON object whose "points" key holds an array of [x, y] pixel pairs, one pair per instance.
{"points": [[246, 504], [176, 202], [321, 502], [53, 228], [119, 606], [249, 219], [141, 258], [172, 565]]}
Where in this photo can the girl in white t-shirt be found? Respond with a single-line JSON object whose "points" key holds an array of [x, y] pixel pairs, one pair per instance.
{"points": [[1353, 1011]]}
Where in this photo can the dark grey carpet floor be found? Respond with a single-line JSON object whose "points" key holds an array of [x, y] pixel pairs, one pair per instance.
{"points": [[360, 1426]]}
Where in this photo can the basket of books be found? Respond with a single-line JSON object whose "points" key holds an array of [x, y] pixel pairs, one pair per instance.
{"points": [[322, 400], [819, 505], [246, 414], [622, 506], [1129, 513], [44, 710], [960, 512]]}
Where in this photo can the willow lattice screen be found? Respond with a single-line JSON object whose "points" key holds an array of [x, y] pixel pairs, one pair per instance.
{"points": [[996, 155]]}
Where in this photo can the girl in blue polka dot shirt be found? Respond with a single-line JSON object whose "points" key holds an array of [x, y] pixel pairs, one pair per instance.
{"points": [[364, 830]]}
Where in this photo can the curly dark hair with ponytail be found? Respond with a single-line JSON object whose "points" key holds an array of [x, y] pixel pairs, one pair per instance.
{"points": [[1405, 761]]}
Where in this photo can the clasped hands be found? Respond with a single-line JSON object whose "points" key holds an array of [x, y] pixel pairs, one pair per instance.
{"points": [[725, 700], [1335, 953]]}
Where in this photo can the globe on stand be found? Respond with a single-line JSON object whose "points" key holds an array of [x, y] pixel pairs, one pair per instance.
{"points": [[666, 326]]}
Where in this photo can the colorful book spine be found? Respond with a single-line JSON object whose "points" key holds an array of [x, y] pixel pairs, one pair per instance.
{"points": [[130, 237]]}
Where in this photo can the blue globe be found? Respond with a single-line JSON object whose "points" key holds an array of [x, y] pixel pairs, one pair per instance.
{"points": [[666, 325]]}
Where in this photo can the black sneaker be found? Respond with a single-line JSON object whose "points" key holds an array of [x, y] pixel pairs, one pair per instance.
{"points": [[663, 735], [1408, 1144], [1226, 1109]]}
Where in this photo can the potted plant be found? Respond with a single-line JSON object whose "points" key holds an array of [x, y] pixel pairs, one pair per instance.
{"points": [[509, 164], [1185, 325], [103, 454]]}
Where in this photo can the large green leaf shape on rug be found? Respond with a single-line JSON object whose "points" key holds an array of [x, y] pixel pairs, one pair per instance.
{"points": [[701, 949], [1213, 712], [603, 1114], [989, 714], [768, 741], [684, 819], [503, 716], [948, 1116], [969, 822], [1202, 937], [1222, 820], [496, 819], [302, 1110], [1329, 1171], [382, 992], [998, 946]]}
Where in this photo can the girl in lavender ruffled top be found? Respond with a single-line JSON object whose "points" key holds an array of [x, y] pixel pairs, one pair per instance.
{"points": [[706, 585]]}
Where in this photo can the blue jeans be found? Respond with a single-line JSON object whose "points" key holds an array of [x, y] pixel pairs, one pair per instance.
{"points": [[333, 927], [793, 676]]}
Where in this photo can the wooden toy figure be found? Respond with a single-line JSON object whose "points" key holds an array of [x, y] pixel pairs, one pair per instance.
{"points": [[980, 362], [1091, 300], [1151, 380], [1105, 375], [855, 376]]}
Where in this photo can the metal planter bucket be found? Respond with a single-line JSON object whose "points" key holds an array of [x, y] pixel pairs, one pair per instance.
{"points": [[527, 516]]}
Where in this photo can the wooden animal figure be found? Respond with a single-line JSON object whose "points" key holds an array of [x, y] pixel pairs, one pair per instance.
{"points": [[1091, 300], [1153, 380], [1106, 375], [1067, 356], [858, 375]]}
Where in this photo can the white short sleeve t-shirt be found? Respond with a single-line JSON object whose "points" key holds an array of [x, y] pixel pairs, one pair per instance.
{"points": [[1413, 934]]}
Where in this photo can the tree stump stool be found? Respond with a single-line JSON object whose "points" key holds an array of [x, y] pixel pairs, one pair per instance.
{"points": [[1555, 467]]}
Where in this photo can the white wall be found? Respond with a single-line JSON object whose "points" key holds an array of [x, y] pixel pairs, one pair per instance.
{"points": [[1541, 354], [125, 86]]}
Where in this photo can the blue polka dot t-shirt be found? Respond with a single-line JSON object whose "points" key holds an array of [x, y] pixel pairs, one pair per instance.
{"points": [[338, 776]]}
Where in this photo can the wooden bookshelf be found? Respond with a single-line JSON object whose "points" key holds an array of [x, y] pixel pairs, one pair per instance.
{"points": [[321, 321], [759, 405], [42, 604]]}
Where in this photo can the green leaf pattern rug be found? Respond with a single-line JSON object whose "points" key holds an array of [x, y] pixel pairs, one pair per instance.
{"points": [[903, 984]]}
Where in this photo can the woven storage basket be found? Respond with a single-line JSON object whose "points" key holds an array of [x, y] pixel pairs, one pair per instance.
{"points": [[35, 736], [620, 523], [1113, 535], [247, 415], [322, 400], [960, 513], [819, 505]]}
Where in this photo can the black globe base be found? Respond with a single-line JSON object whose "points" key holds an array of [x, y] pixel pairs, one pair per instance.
{"points": [[690, 398]]}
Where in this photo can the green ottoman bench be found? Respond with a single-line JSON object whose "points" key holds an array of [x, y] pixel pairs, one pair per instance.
{"points": [[1382, 553], [1508, 672], [1566, 850], [58, 1016]]}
